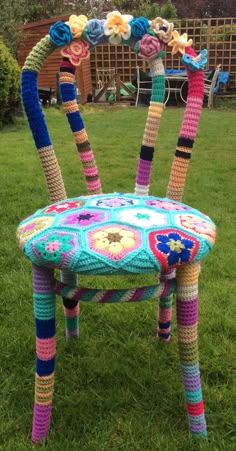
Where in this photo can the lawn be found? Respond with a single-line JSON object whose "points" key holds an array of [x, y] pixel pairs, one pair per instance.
{"points": [[118, 388]]}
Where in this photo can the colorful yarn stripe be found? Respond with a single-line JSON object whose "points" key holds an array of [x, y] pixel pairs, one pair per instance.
{"points": [[35, 116], [71, 308], [123, 295], [187, 320], [44, 308], [165, 308], [187, 133], [67, 86], [151, 128]]}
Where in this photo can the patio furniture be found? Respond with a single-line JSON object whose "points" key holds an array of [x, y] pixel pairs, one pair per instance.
{"points": [[173, 84], [115, 233], [209, 87]]}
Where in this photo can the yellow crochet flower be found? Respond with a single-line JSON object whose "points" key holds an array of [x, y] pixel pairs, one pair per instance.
{"points": [[117, 27], [77, 24], [179, 43], [114, 239], [162, 28]]}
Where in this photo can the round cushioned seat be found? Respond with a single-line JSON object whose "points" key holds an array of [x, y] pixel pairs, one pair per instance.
{"points": [[116, 233]]}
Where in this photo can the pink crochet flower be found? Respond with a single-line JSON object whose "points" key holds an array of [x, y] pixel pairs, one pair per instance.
{"points": [[76, 51], [149, 47]]}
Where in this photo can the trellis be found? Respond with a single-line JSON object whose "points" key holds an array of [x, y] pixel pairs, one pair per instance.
{"points": [[218, 36]]}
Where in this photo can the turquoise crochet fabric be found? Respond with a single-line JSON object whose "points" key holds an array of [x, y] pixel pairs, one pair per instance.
{"points": [[116, 233]]}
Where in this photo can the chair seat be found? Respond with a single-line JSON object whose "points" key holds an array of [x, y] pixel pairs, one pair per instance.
{"points": [[116, 233]]}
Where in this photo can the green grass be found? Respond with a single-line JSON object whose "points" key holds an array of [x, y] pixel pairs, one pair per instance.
{"points": [[118, 388]]}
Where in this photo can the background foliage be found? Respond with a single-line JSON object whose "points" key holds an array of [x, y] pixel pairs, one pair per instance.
{"points": [[9, 85]]}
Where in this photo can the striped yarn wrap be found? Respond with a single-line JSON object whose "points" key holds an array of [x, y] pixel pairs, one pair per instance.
{"points": [[187, 133], [44, 309], [67, 86], [35, 116], [165, 308], [151, 128], [187, 321], [165, 288], [71, 307]]}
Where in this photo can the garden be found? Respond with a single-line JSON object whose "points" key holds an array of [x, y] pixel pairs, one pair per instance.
{"points": [[118, 387]]}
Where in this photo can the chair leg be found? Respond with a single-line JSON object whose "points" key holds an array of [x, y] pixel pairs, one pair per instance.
{"points": [[187, 321], [71, 308], [44, 310], [165, 309]]}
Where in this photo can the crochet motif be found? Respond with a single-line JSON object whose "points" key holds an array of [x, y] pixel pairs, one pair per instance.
{"points": [[111, 228], [115, 233]]}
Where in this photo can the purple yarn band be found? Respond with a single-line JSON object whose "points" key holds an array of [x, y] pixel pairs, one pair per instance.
{"points": [[192, 382], [108, 296], [144, 170], [199, 427], [187, 313], [41, 421], [43, 280]]}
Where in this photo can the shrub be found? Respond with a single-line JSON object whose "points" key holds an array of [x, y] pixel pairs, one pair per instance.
{"points": [[9, 86]]}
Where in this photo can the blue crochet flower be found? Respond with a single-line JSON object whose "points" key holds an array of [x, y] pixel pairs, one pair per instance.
{"points": [[139, 27], [176, 247], [195, 62], [94, 31], [60, 33]]}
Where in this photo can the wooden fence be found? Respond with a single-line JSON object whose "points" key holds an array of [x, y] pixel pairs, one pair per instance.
{"points": [[218, 36]]}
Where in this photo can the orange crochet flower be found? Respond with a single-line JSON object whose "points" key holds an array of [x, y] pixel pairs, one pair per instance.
{"points": [[76, 51], [179, 43], [77, 24]]}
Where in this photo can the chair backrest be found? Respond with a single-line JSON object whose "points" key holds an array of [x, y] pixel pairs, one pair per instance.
{"points": [[104, 76], [209, 85], [148, 39]]}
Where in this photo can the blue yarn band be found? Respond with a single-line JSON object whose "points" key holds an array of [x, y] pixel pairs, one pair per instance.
{"points": [[45, 367], [45, 329], [29, 92]]}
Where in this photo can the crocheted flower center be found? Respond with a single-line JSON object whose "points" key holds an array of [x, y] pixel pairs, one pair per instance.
{"points": [[175, 245], [114, 237]]}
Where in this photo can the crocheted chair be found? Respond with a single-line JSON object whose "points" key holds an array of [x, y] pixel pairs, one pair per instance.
{"points": [[115, 233]]}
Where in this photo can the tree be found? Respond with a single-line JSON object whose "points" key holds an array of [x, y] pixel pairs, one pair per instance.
{"points": [[205, 8], [9, 86], [147, 8]]}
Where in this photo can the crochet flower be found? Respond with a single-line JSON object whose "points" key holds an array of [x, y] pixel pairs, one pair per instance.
{"points": [[149, 47], [51, 248], [176, 247], [63, 206], [197, 62], [114, 240], [162, 28], [30, 228], [77, 51], [94, 31], [117, 27], [77, 24], [179, 43], [60, 33], [114, 202], [83, 217], [198, 225], [143, 217], [166, 204], [139, 27]]}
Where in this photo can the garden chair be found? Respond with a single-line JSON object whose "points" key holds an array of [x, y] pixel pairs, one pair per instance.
{"points": [[115, 233], [209, 86]]}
